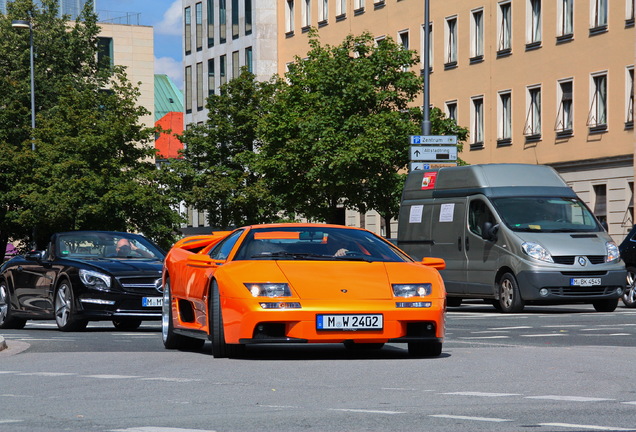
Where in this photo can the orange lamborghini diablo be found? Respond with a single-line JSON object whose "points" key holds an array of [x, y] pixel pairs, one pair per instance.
{"points": [[300, 283]]}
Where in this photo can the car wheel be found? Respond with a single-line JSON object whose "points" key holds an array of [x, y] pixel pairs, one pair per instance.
{"points": [[425, 349], [629, 296], [7, 321], [454, 301], [351, 345], [220, 349], [510, 299], [170, 339], [605, 305], [127, 324], [65, 314]]}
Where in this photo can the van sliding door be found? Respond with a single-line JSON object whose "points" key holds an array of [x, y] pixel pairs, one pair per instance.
{"points": [[448, 241]]}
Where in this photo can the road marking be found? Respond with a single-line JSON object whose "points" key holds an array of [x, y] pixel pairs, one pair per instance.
{"points": [[159, 429], [579, 426], [112, 376], [367, 411], [630, 403], [10, 421], [171, 379], [543, 335], [570, 398], [484, 394], [486, 337], [485, 419], [511, 328], [50, 374]]}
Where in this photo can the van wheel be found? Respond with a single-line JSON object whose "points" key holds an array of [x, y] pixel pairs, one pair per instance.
{"points": [[454, 301], [605, 305], [510, 299]]}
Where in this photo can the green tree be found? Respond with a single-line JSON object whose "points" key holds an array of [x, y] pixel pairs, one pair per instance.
{"points": [[92, 167], [217, 172]]}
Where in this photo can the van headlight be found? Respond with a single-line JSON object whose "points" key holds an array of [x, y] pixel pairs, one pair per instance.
{"points": [[536, 251], [612, 251], [93, 279]]}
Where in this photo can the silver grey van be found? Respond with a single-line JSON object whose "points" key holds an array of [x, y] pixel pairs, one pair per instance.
{"points": [[513, 234]]}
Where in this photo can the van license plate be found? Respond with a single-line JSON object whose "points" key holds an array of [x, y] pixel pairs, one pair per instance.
{"points": [[349, 322], [585, 281], [152, 301]]}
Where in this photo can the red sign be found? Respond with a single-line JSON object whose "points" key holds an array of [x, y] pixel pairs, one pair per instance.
{"points": [[428, 181]]}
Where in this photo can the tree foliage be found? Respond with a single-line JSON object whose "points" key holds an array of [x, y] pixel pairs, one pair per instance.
{"points": [[217, 172], [92, 167]]}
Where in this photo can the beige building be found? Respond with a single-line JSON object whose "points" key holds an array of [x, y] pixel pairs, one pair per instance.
{"points": [[133, 46], [545, 82]]}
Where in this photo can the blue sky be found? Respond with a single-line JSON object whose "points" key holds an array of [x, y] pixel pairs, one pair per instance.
{"points": [[165, 17]]}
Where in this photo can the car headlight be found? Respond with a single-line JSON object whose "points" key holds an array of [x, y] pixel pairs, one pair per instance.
{"points": [[612, 251], [536, 251], [93, 279], [269, 289], [412, 290]]}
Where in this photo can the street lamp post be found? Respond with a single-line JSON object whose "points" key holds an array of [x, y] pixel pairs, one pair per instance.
{"points": [[21, 24]]}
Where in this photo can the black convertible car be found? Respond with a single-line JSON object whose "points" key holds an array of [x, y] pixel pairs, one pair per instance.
{"points": [[84, 276]]}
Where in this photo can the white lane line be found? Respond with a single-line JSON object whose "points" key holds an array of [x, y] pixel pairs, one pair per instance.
{"points": [[607, 334], [630, 403], [10, 421], [49, 374], [562, 326], [543, 335], [159, 429], [483, 394], [367, 411], [166, 379], [484, 419], [112, 376], [570, 398], [580, 426], [486, 337], [510, 328]]}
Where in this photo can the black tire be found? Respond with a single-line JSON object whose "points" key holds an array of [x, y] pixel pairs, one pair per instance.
{"points": [[351, 345], [7, 320], [220, 349], [454, 301], [425, 349], [629, 296], [605, 305], [170, 339], [510, 299], [65, 313], [126, 324]]}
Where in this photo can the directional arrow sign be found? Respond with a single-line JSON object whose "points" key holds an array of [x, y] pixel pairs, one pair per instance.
{"points": [[433, 153], [433, 139]]}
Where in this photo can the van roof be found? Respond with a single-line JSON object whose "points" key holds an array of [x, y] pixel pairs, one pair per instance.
{"points": [[487, 179]]}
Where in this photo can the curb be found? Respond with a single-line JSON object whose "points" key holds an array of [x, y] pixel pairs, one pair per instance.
{"points": [[3, 344]]}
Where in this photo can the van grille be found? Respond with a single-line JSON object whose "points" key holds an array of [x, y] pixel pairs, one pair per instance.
{"points": [[569, 259]]}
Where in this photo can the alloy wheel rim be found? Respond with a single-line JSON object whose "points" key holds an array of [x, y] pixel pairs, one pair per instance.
{"points": [[506, 292], [165, 316], [4, 305], [62, 308]]}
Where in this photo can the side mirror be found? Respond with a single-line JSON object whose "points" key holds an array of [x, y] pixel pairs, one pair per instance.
{"points": [[436, 263], [37, 256], [489, 231]]}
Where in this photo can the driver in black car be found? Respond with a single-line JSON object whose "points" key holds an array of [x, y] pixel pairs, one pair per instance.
{"points": [[125, 248]]}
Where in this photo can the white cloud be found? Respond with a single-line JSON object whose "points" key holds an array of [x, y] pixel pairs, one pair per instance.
{"points": [[170, 67], [171, 22]]}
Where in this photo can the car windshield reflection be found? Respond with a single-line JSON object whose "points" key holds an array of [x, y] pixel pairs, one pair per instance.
{"points": [[96, 245]]}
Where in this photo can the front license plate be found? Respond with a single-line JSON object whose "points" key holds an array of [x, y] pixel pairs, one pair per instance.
{"points": [[350, 322], [585, 281], [152, 301]]}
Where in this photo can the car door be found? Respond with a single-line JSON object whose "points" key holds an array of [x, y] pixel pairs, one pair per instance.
{"points": [[482, 256], [33, 280]]}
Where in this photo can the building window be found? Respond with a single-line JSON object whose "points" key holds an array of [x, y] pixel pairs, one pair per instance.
{"points": [[323, 11], [504, 133], [629, 13], [451, 43], [504, 44], [211, 83], [565, 19], [600, 202], [248, 17], [451, 110], [187, 30], [199, 83], [598, 15], [249, 60], [358, 5], [341, 8], [289, 17], [105, 52], [533, 24], [222, 70], [564, 118], [210, 10], [198, 16], [188, 89], [404, 39], [235, 19], [222, 21], [597, 117], [477, 36], [629, 97], [532, 128], [236, 67], [305, 12], [477, 123]]}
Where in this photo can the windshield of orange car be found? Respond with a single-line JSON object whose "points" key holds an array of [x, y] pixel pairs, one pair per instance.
{"points": [[317, 243]]}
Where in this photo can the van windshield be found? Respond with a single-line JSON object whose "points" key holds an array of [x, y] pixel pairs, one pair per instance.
{"points": [[545, 214]]}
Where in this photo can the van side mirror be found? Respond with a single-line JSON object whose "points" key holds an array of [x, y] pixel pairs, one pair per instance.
{"points": [[436, 263], [489, 231]]}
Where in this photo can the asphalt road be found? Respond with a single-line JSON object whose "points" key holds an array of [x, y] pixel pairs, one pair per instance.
{"points": [[546, 369]]}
